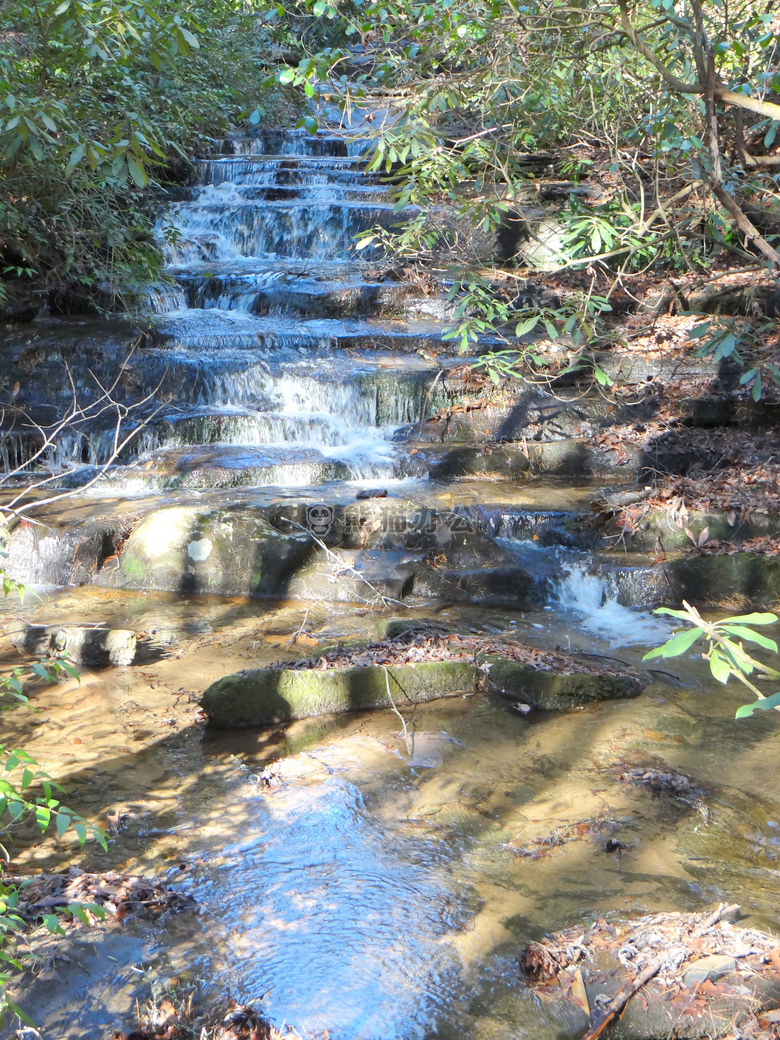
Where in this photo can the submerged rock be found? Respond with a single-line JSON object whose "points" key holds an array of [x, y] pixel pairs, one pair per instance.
{"points": [[263, 696]]}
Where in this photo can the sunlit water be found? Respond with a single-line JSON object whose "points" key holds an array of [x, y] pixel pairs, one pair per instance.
{"points": [[369, 893], [379, 890]]}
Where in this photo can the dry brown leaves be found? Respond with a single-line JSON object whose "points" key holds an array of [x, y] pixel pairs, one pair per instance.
{"points": [[121, 895], [767, 545], [607, 953], [419, 645], [167, 1021], [739, 489]]}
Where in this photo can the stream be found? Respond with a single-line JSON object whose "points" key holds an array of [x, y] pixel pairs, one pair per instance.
{"points": [[349, 880]]}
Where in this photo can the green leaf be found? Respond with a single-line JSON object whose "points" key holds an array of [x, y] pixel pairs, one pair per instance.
{"points": [[602, 377], [254, 118], [140, 178], [746, 619], [699, 331], [79, 911], [287, 75], [191, 39], [763, 705], [526, 326], [726, 346], [747, 376], [75, 158], [677, 645], [52, 924], [753, 637], [62, 823], [719, 666]]}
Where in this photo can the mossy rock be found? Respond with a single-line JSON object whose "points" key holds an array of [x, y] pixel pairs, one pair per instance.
{"points": [[262, 696], [741, 581], [191, 549], [549, 690]]}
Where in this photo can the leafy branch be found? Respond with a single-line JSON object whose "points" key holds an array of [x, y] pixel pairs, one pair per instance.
{"points": [[725, 651]]}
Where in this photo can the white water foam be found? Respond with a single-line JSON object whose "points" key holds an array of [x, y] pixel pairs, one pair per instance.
{"points": [[586, 595]]}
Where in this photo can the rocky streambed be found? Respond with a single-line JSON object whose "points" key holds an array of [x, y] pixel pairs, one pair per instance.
{"points": [[319, 503]]}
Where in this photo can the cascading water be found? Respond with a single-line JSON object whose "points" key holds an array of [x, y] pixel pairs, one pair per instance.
{"points": [[588, 597], [262, 293]]}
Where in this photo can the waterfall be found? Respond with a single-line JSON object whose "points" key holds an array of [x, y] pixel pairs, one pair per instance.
{"points": [[586, 595]]}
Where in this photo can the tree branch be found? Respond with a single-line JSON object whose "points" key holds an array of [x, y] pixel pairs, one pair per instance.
{"points": [[639, 44]]}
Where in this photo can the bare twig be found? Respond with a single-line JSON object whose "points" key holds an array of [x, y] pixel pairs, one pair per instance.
{"points": [[404, 731], [620, 1000]]}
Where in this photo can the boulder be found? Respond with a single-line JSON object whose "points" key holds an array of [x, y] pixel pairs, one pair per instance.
{"points": [[262, 696], [190, 549]]}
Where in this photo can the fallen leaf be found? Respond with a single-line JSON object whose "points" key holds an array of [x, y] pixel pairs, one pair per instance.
{"points": [[578, 992]]}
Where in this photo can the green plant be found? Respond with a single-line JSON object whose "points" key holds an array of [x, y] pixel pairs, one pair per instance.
{"points": [[100, 99], [28, 795], [725, 652], [482, 310]]}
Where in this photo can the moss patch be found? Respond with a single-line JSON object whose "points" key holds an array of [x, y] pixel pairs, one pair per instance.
{"points": [[263, 696]]}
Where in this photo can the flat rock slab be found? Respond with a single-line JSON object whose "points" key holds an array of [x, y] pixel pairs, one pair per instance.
{"points": [[262, 696], [709, 969]]}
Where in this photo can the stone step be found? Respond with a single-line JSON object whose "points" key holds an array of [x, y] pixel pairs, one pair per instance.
{"points": [[217, 330], [279, 294], [414, 550]]}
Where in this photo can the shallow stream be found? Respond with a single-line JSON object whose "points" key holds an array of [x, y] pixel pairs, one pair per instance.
{"points": [[350, 878], [380, 889]]}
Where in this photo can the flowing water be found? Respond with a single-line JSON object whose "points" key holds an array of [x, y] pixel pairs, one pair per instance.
{"points": [[378, 887]]}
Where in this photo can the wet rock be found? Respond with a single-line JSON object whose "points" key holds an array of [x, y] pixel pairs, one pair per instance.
{"points": [[356, 577], [469, 461], [742, 580], [709, 969], [94, 647], [548, 690], [564, 458], [264, 696], [190, 549], [395, 628]]}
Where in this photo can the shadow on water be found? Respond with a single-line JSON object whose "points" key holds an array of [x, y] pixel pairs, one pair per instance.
{"points": [[381, 896]]}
